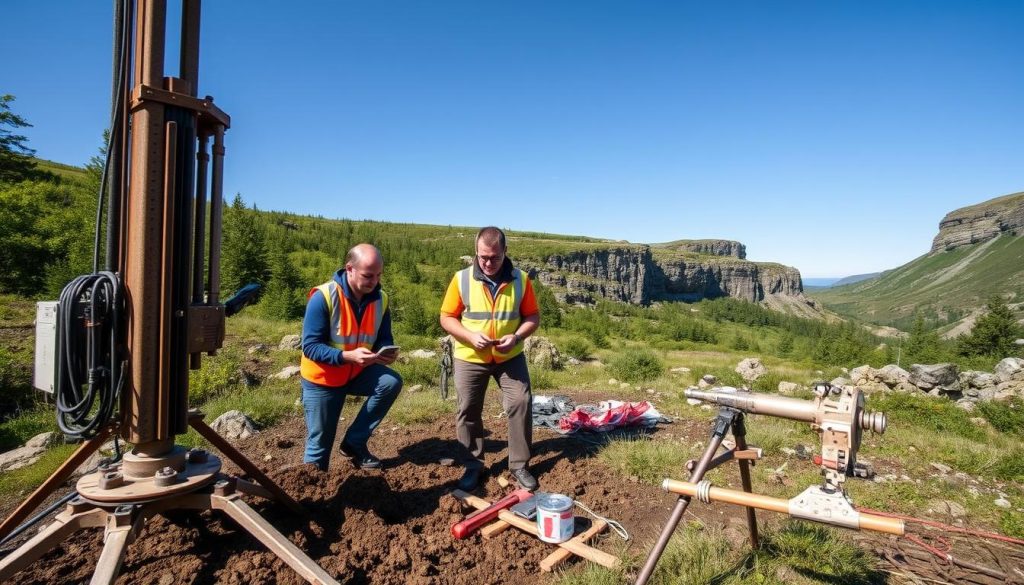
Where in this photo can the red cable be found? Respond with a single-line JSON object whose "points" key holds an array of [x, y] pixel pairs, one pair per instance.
{"points": [[932, 523]]}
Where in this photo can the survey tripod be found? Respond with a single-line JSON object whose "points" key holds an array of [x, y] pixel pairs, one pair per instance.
{"points": [[158, 175], [837, 414]]}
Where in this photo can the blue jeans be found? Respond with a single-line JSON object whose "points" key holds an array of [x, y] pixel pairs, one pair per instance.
{"points": [[380, 384]]}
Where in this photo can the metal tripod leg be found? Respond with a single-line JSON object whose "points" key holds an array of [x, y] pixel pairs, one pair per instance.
{"points": [[195, 419], [65, 524], [739, 431], [122, 526], [256, 525], [725, 419]]}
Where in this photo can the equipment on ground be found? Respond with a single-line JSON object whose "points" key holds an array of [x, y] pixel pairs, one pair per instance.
{"points": [[477, 519], [577, 545], [836, 413], [129, 334]]}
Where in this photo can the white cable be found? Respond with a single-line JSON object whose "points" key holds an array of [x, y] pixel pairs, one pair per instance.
{"points": [[618, 528]]}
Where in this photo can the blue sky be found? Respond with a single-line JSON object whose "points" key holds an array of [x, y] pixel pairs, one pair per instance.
{"points": [[830, 136]]}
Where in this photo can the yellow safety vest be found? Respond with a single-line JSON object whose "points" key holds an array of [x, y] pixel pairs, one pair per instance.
{"points": [[346, 334], [496, 318]]}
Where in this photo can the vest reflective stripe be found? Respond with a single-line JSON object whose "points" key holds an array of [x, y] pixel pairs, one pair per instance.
{"points": [[496, 318], [346, 334]]}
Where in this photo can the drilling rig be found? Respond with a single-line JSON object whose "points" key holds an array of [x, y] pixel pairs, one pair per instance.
{"points": [[128, 335]]}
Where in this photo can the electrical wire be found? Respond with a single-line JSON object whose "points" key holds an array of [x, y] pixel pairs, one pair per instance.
{"points": [[613, 524]]}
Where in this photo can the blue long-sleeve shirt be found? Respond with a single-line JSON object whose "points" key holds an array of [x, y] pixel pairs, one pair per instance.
{"points": [[316, 326]]}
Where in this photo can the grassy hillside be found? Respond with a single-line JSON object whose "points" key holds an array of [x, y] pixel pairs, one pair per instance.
{"points": [[943, 288]]}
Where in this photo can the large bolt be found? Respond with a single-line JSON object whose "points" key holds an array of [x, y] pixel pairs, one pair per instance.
{"points": [[165, 477], [111, 480], [224, 487]]}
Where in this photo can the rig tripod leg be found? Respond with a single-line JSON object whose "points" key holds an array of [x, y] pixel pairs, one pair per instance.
{"points": [[64, 525]]}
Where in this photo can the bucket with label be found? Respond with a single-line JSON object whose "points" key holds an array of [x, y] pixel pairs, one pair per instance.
{"points": [[555, 521]]}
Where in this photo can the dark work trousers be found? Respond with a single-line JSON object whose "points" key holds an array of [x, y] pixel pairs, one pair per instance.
{"points": [[513, 379]]}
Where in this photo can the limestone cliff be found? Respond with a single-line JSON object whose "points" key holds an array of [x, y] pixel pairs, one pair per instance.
{"points": [[981, 222], [642, 274], [709, 247]]}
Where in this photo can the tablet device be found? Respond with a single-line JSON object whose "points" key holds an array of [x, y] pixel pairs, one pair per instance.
{"points": [[388, 349]]}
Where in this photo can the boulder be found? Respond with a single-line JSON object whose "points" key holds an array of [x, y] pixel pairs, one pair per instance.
{"points": [[287, 372], [20, 457], [905, 386], [423, 354], [891, 375], [930, 376], [290, 342], [234, 425], [44, 440], [751, 369], [862, 374], [976, 379], [541, 352], [840, 381], [871, 387], [707, 381], [1010, 369]]}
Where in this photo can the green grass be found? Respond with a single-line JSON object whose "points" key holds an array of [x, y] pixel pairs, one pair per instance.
{"points": [[648, 460], [14, 432], [19, 482], [918, 286], [419, 407]]}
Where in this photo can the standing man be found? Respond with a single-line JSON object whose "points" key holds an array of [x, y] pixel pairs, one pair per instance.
{"points": [[347, 322], [489, 309]]}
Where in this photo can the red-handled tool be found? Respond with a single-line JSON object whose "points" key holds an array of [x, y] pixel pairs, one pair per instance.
{"points": [[471, 523]]}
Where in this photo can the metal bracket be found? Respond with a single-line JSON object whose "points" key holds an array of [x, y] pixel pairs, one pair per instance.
{"points": [[820, 505]]}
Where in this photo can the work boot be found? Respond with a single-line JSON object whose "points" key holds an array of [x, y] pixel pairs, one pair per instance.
{"points": [[470, 478], [525, 479], [360, 456]]}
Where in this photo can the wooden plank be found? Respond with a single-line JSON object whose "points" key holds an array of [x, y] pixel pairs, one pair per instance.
{"points": [[494, 528], [577, 548], [559, 556]]}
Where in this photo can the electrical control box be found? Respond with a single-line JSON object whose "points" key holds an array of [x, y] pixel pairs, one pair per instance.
{"points": [[44, 376]]}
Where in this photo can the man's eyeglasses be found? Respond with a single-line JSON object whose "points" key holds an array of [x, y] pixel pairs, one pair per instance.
{"points": [[491, 259]]}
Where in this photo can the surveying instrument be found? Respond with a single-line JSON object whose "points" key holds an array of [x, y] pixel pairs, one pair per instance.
{"points": [[836, 413], [148, 318]]}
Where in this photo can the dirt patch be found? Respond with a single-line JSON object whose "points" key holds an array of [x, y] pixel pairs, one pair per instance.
{"points": [[393, 526]]}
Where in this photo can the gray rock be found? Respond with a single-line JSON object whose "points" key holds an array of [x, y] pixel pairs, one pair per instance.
{"points": [[891, 375], [907, 387], [290, 342], [751, 369], [1002, 502], [870, 387], [709, 379], [840, 381], [423, 354], [1010, 369], [20, 457], [862, 374], [680, 370], [941, 467], [234, 425], [287, 372], [44, 440], [929, 376], [693, 402], [259, 348], [975, 379], [415, 388], [953, 509], [541, 352]]}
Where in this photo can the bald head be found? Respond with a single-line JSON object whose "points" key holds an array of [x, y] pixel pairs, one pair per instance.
{"points": [[363, 267]]}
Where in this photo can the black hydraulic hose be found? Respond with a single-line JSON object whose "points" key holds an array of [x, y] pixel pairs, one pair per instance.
{"points": [[90, 369]]}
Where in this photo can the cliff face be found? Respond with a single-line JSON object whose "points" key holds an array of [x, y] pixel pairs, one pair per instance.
{"points": [[708, 247], [634, 275], [981, 222]]}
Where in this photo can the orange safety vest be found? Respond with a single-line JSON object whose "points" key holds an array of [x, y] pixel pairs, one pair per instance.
{"points": [[346, 334]]}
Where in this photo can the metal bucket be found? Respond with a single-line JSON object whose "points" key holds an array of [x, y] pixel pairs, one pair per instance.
{"points": [[555, 521]]}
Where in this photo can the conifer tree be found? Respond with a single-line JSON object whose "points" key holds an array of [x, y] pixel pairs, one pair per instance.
{"points": [[994, 333], [244, 250]]}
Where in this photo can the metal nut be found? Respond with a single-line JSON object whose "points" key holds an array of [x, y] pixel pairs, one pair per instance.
{"points": [[111, 480], [197, 455], [165, 477]]}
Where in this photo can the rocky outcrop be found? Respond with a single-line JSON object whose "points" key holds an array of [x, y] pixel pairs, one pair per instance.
{"points": [[981, 222], [635, 274], [708, 247]]}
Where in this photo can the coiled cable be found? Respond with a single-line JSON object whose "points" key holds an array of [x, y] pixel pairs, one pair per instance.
{"points": [[90, 368]]}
